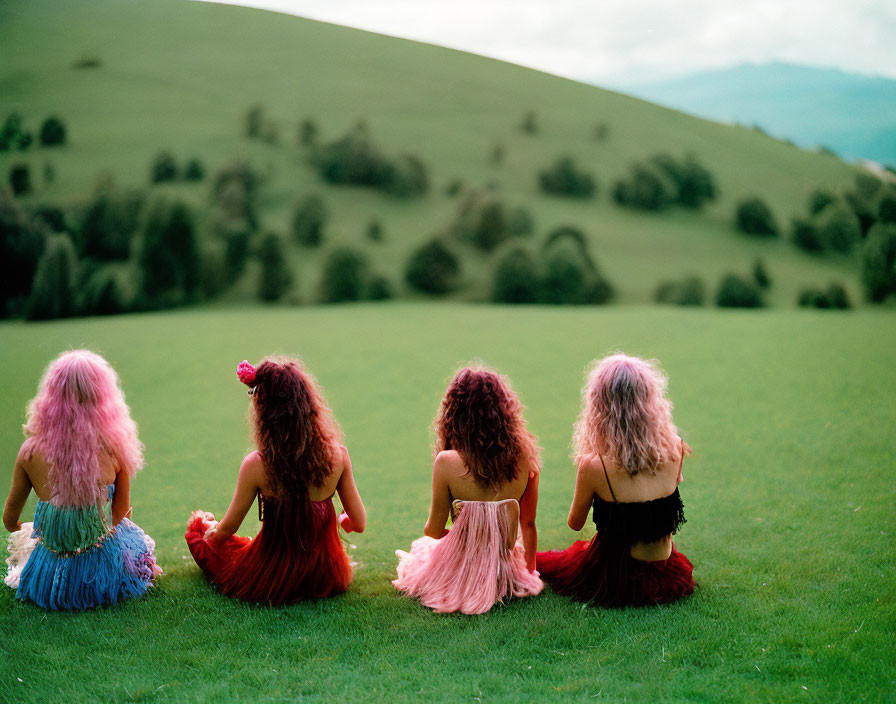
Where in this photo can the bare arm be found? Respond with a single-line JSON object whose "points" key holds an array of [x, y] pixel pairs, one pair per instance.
{"points": [[18, 495], [353, 516], [528, 503], [440, 505], [121, 502], [247, 485], [582, 498]]}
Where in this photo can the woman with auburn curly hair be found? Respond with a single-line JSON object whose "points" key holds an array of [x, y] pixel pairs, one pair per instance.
{"points": [[298, 466], [629, 458], [485, 475], [80, 453]]}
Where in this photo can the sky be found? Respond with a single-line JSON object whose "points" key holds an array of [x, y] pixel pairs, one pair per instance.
{"points": [[626, 42]]}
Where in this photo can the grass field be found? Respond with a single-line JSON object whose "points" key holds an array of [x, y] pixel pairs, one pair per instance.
{"points": [[179, 75], [789, 498]]}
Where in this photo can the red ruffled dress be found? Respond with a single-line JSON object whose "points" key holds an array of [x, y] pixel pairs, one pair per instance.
{"points": [[290, 559], [604, 573]]}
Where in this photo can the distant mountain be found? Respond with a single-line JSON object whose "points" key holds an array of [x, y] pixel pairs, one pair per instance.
{"points": [[853, 115]]}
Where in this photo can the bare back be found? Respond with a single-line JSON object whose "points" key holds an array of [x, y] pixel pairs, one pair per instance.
{"points": [[38, 470], [463, 485]]}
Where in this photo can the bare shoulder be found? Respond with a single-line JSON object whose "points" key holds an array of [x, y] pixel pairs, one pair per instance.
{"points": [[252, 466], [590, 467], [448, 463]]}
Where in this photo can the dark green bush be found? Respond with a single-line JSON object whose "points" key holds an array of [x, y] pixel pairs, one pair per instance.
{"points": [[754, 217], [516, 277], [194, 170], [53, 290], [236, 251], [344, 275], [690, 291], [597, 289], [405, 177], [351, 159], [529, 124], [647, 188], [481, 220], [886, 208], [863, 209], [52, 132], [168, 255], [163, 168], [433, 268], [879, 262], [255, 120], [454, 187], [565, 277], [20, 179], [520, 222], [52, 217], [840, 229], [234, 191], [103, 293], [564, 179], [214, 276], [13, 134], [275, 278], [109, 222], [760, 275], [22, 242], [737, 292], [374, 231], [834, 297], [378, 288], [819, 200], [805, 236], [692, 183], [308, 220]]}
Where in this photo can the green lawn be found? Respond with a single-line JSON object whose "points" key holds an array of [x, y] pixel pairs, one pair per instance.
{"points": [[181, 75], [789, 498]]}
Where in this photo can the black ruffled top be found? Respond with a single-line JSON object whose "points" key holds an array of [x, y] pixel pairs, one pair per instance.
{"points": [[641, 522]]}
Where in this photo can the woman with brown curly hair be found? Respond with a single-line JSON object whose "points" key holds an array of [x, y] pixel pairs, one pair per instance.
{"points": [[298, 466], [485, 475]]}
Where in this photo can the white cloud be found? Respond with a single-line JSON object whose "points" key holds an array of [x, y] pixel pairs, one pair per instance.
{"points": [[619, 42]]}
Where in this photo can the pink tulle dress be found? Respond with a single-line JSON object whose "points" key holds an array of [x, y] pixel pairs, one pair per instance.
{"points": [[479, 563]]}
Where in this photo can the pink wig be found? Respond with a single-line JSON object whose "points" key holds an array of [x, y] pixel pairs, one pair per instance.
{"points": [[78, 412], [626, 415]]}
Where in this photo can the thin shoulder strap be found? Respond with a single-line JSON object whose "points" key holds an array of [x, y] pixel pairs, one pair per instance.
{"points": [[607, 476], [680, 462]]}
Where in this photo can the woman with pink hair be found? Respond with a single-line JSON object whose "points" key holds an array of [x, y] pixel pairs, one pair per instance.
{"points": [[629, 458], [485, 475], [79, 456]]}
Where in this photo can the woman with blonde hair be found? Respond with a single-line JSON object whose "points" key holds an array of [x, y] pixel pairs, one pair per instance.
{"points": [[629, 458], [485, 475], [79, 456]]}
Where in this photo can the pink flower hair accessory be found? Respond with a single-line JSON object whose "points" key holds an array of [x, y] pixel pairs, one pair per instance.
{"points": [[245, 372]]}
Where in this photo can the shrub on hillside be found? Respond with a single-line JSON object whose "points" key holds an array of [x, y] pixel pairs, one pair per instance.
{"points": [[886, 208], [516, 277], [689, 291], [343, 276], [520, 222], [405, 177], [109, 222], [236, 251], [819, 200], [760, 275], [565, 179], [754, 217], [275, 278], [13, 134], [597, 288], [879, 262], [834, 297], [529, 125], [863, 209], [20, 179], [213, 268], [234, 192], [53, 290], [737, 292], [692, 183], [103, 293], [163, 168], [433, 268], [378, 288], [22, 242], [168, 255], [805, 236], [194, 170], [565, 277], [255, 120], [52, 132], [374, 231], [308, 220], [51, 216], [840, 229], [454, 187]]}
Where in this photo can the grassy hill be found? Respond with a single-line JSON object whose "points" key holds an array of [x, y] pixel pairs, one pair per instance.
{"points": [[179, 75]]}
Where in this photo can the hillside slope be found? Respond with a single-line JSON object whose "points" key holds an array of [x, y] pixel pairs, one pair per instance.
{"points": [[180, 75]]}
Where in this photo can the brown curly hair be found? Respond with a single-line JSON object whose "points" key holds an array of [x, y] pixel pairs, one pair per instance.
{"points": [[295, 432], [482, 419]]}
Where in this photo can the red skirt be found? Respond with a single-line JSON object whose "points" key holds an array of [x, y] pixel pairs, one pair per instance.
{"points": [[278, 565], [610, 576]]}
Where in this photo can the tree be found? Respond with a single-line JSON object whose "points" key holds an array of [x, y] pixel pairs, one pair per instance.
{"points": [[805, 236], [53, 291], [234, 193], [275, 278], [52, 132], [22, 242], [516, 277], [255, 120], [103, 293], [343, 276], [879, 262], [529, 124], [308, 220], [565, 276], [164, 167], [737, 292], [688, 292], [194, 170], [819, 200], [168, 256], [405, 177], [109, 222], [20, 179], [433, 268], [840, 229], [563, 178], [760, 275], [754, 217]]}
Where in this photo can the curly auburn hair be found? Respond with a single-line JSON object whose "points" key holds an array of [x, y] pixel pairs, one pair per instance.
{"points": [[295, 432], [626, 415], [482, 419]]}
